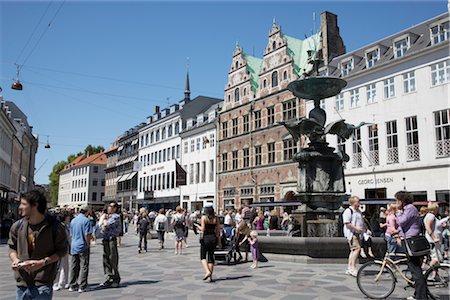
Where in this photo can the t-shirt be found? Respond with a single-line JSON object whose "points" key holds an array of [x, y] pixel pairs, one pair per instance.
{"points": [[428, 217], [143, 225], [227, 220], [79, 228], [390, 218], [354, 218]]}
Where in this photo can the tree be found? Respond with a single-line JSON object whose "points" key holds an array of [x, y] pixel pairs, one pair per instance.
{"points": [[59, 166]]}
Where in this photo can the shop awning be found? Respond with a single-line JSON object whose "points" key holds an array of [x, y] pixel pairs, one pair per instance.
{"points": [[122, 178], [274, 204]]}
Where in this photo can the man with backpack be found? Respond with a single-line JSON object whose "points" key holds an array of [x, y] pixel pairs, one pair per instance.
{"points": [[353, 227], [36, 243]]}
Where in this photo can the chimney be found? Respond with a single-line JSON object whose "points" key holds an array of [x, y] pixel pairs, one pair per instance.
{"points": [[157, 109], [332, 44]]}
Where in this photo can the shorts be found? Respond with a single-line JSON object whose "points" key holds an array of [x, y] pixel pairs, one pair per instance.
{"points": [[436, 252], [355, 243]]}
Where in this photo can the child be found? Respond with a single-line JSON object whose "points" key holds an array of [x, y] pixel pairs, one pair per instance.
{"points": [[254, 246]]}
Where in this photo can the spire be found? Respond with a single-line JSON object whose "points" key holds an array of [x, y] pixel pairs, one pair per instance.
{"points": [[187, 89]]}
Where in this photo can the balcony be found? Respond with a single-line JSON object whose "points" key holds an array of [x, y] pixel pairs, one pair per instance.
{"points": [[392, 155], [412, 152], [357, 160], [374, 157], [443, 148]]}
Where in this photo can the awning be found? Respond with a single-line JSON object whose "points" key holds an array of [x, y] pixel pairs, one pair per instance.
{"points": [[120, 148], [131, 175], [134, 141], [159, 200], [122, 178], [274, 204]]}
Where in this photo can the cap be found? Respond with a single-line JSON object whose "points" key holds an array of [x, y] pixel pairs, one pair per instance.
{"points": [[209, 204]]}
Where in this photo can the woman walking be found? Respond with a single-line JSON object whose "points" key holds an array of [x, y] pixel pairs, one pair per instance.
{"points": [[259, 221], [179, 225], [209, 226], [62, 276], [161, 226], [409, 222], [143, 227]]}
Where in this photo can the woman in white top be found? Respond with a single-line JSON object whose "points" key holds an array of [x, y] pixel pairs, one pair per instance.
{"points": [[161, 226], [430, 233]]}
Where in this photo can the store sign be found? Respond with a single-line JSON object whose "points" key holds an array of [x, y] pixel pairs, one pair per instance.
{"points": [[377, 181]]}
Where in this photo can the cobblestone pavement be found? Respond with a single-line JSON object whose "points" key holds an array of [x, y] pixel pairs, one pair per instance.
{"points": [[163, 275]]}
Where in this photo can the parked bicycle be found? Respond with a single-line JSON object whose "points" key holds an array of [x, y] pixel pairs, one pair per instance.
{"points": [[377, 279]]}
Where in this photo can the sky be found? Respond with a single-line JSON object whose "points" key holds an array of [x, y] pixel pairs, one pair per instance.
{"points": [[92, 70]]}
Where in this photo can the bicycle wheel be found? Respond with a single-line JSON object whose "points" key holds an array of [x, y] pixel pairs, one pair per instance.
{"points": [[375, 282], [437, 278]]}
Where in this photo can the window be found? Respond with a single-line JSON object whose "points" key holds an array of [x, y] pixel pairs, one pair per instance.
{"points": [[285, 75], [270, 115], [389, 90], [211, 140], [322, 104], [235, 160], [346, 67], [191, 173], [274, 79], [264, 85], [289, 110], [142, 141], [95, 182], [205, 141], [274, 45], [246, 123], [288, 149], [372, 57], [164, 155], [192, 145], [203, 171], [211, 170], [374, 158], [198, 144], [224, 161], [392, 142], [178, 151], [442, 129], [173, 152], [409, 82], [440, 73], [94, 196], [186, 147], [152, 137], [157, 136], [197, 172], [357, 150], [95, 169], [412, 139], [340, 102], [258, 155], [177, 128], [257, 119], [235, 126], [400, 47], [224, 130], [169, 131], [440, 33], [371, 93], [163, 134], [236, 65], [246, 155], [244, 92], [354, 98], [236, 95], [271, 153]]}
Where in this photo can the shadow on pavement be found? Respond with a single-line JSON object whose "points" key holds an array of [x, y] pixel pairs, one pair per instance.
{"points": [[232, 278]]}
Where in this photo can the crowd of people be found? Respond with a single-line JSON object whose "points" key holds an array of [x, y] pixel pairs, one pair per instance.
{"points": [[398, 222]]}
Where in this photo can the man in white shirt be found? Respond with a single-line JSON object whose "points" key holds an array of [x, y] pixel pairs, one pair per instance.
{"points": [[353, 227]]}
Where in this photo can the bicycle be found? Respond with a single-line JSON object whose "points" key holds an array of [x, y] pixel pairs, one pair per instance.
{"points": [[377, 280]]}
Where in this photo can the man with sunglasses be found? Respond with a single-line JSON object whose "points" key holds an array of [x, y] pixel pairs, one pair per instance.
{"points": [[111, 228]]}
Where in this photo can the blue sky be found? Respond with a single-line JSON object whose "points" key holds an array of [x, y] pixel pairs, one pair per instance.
{"points": [[101, 67]]}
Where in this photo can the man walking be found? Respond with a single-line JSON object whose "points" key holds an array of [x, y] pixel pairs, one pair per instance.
{"points": [[353, 227], [36, 243], [81, 231], [111, 227]]}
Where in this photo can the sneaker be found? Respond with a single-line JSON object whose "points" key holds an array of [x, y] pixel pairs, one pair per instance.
{"points": [[363, 254], [106, 284], [72, 289], [56, 288], [66, 286], [114, 285], [81, 290], [411, 298]]}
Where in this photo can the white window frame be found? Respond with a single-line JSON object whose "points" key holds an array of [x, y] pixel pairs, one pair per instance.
{"points": [[401, 48], [346, 67], [371, 92], [372, 59], [440, 73], [409, 82], [441, 34], [354, 98], [339, 102], [389, 88]]}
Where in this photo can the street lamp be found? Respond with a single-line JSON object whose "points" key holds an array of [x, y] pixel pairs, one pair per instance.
{"points": [[16, 84]]}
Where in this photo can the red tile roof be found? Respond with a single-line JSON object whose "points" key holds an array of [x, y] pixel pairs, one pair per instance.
{"points": [[94, 159]]}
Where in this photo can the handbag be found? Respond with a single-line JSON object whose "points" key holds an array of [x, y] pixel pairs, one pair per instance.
{"points": [[417, 246]]}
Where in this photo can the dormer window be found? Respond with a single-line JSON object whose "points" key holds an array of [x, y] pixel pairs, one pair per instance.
{"points": [[372, 57], [236, 95], [400, 47], [440, 33], [274, 79], [346, 67]]}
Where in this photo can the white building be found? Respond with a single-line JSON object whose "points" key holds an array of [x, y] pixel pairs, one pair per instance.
{"points": [[161, 173], [82, 182], [199, 160], [400, 84]]}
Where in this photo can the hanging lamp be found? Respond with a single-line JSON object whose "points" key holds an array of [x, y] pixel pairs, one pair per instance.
{"points": [[16, 84]]}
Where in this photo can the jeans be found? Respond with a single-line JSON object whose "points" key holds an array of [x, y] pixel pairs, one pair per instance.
{"points": [[79, 269], [44, 292], [391, 243], [142, 237], [111, 260]]}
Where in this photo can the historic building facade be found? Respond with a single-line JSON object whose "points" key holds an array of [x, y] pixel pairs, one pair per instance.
{"points": [[399, 84], [254, 151]]}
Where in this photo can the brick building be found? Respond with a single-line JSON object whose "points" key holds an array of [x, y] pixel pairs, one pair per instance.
{"points": [[254, 152]]}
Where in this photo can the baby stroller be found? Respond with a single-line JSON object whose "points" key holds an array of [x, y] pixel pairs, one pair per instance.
{"points": [[228, 251]]}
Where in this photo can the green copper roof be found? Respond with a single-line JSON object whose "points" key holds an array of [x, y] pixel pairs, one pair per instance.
{"points": [[254, 67], [297, 50]]}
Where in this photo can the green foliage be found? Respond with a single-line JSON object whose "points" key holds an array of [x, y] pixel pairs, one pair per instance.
{"points": [[59, 166]]}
